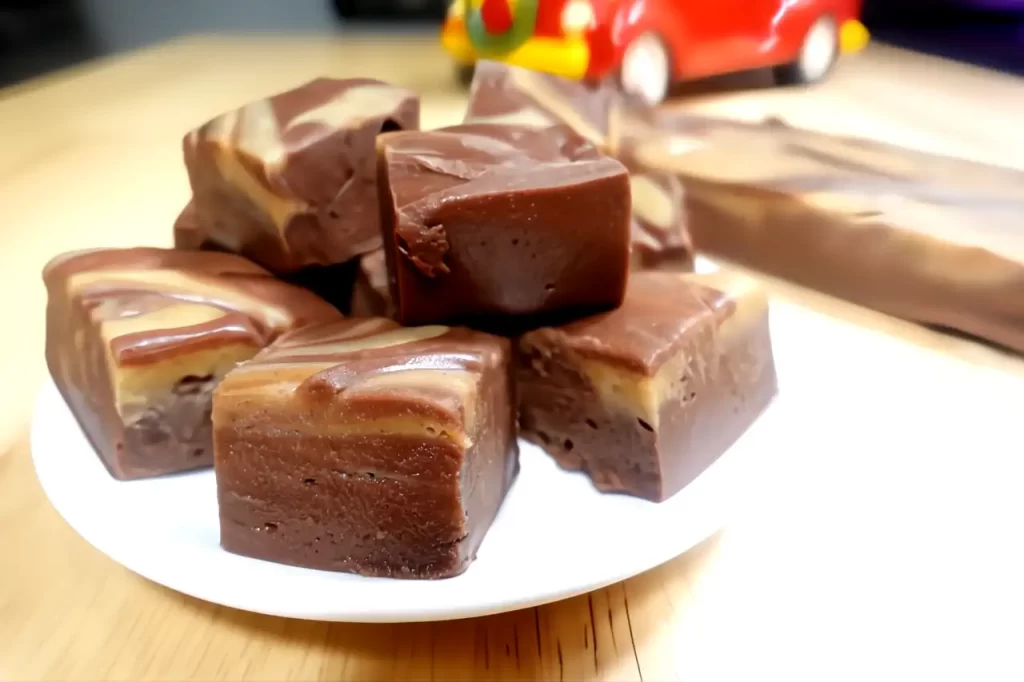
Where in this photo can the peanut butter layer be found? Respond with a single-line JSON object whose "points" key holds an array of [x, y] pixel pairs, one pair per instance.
{"points": [[366, 447], [289, 181], [645, 397], [138, 338], [928, 238]]}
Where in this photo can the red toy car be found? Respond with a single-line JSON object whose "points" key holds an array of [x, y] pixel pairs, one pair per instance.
{"points": [[648, 44]]}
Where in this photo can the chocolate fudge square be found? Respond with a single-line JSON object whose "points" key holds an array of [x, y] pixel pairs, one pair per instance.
{"points": [[136, 340], [290, 181], [501, 225], [365, 447], [644, 398]]}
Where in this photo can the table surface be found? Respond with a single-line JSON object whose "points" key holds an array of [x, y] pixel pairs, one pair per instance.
{"points": [[811, 588]]}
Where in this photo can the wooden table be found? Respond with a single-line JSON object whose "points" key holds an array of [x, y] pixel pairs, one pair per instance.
{"points": [[811, 586]]}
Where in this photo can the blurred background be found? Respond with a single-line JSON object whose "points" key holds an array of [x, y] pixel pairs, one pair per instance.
{"points": [[38, 36]]}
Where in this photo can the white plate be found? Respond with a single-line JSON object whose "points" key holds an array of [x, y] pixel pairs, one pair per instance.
{"points": [[556, 536]]}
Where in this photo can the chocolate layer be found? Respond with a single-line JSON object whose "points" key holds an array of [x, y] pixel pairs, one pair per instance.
{"points": [[364, 447], [508, 95], [137, 338], [501, 224], [927, 238], [289, 181], [645, 397]]}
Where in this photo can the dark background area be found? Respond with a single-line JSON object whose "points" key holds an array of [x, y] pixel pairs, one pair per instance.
{"points": [[38, 36]]}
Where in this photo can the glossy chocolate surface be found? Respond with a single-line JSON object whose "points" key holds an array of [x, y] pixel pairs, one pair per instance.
{"points": [[138, 338], [509, 95], [644, 398], [289, 181], [928, 238], [489, 223], [365, 447]]}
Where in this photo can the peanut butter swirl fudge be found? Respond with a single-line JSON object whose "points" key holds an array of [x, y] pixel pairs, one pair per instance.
{"points": [[931, 239], [290, 181], [645, 397], [365, 447], [511, 95], [136, 339]]}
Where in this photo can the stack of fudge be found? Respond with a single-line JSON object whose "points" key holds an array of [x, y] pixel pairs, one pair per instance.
{"points": [[359, 318]]}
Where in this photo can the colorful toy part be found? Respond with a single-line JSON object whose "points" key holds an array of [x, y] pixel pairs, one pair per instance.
{"points": [[476, 29], [648, 44]]}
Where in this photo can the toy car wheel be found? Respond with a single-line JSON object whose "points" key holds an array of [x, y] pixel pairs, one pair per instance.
{"points": [[464, 74], [645, 72], [817, 55]]}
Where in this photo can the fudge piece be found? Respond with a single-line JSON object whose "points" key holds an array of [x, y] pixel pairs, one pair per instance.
{"points": [[290, 181], [503, 94], [136, 340], [506, 94], [645, 397], [931, 239], [365, 447], [371, 296], [659, 238], [501, 224]]}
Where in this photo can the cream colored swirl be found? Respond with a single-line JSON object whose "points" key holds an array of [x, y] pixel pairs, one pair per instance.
{"points": [[352, 106], [180, 284], [253, 137], [365, 374]]}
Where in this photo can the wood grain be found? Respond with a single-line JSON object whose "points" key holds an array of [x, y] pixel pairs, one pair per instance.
{"points": [[815, 582]]}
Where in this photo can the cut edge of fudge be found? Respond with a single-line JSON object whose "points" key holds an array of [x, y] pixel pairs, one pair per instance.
{"points": [[336, 438], [648, 424]]}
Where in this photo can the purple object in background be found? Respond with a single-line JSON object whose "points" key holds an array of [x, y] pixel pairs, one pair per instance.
{"points": [[986, 33], [899, 7], [992, 4]]}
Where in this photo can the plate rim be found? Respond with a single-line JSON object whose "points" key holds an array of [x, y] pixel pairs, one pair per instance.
{"points": [[712, 522]]}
